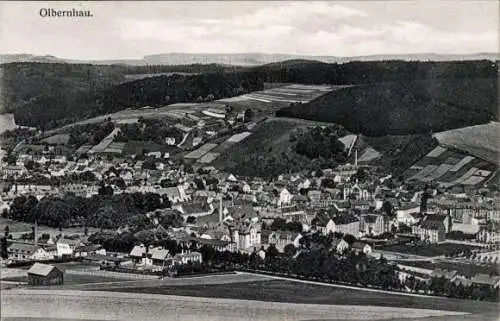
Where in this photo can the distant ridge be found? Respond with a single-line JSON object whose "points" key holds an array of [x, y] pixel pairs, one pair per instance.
{"points": [[244, 59]]}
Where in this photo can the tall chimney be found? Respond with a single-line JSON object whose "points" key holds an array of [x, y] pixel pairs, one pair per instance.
{"points": [[35, 234], [220, 209], [356, 158]]}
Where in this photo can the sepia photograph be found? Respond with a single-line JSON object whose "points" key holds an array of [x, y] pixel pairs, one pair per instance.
{"points": [[249, 160]]}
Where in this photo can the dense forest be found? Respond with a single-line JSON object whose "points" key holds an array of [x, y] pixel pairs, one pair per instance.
{"points": [[408, 96], [101, 211], [49, 111], [363, 72], [401, 108]]}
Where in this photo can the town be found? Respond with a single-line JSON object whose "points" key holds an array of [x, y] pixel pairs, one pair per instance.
{"points": [[99, 194], [249, 160]]}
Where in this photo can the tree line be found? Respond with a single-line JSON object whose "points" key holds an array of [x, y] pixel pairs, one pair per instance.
{"points": [[101, 211]]}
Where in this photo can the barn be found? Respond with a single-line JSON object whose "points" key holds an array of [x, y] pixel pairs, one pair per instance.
{"points": [[44, 274]]}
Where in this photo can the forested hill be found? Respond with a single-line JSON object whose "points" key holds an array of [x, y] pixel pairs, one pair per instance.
{"points": [[404, 98], [359, 72], [406, 107], [23, 82], [48, 95], [49, 111]]}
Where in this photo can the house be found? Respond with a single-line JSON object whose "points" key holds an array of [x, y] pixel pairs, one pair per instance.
{"points": [[174, 194], [293, 214], [405, 211], [81, 190], [489, 233], [374, 224], [64, 249], [194, 209], [221, 245], [432, 231], [323, 221], [339, 245], [486, 279], [285, 197], [240, 211], [159, 255], [280, 239], [185, 258], [44, 274], [346, 224], [448, 275], [247, 235], [361, 247], [14, 170], [27, 252], [356, 192], [314, 196], [138, 252]]}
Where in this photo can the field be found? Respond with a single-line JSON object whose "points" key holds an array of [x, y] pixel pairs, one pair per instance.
{"points": [[60, 139], [428, 250], [270, 138], [272, 99], [137, 147], [198, 153], [103, 144], [215, 298], [67, 305], [173, 111], [451, 167], [293, 292], [14, 226], [480, 141]]}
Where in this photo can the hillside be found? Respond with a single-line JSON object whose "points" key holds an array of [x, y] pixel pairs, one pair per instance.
{"points": [[54, 109], [48, 95], [272, 149], [401, 108], [24, 83], [398, 153], [480, 141]]}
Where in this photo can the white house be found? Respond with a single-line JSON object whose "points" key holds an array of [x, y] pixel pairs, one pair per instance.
{"points": [[63, 249], [403, 214], [362, 247], [285, 197]]}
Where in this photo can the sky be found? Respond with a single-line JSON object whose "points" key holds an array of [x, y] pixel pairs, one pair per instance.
{"points": [[129, 30]]}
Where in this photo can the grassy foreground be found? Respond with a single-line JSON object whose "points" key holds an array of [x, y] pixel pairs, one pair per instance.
{"points": [[294, 292]]}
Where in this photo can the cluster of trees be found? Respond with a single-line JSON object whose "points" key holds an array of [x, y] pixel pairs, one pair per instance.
{"points": [[280, 224], [443, 287], [154, 130], [459, 235], [322, 142], [124, 242], [101, 211], [89, 133], [4, 242]]}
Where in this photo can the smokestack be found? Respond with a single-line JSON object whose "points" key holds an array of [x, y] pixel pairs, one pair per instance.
{"points": [[35, 234], [356, 158], [220, 209]]}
